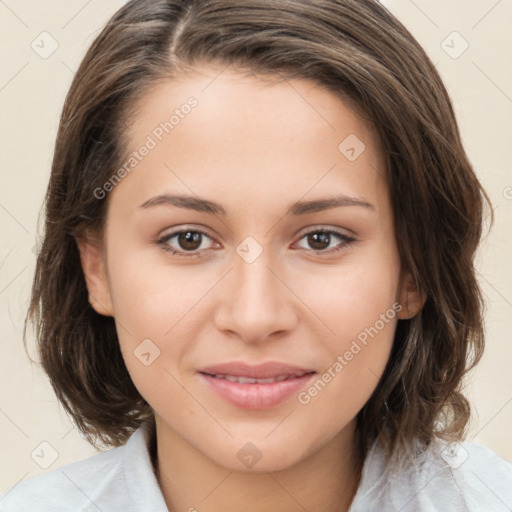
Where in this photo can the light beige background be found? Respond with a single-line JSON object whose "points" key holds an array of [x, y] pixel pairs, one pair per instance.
{"points": [[32, 91]]}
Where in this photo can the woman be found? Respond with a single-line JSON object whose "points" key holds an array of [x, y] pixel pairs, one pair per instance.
{"points": [[257, 278]]}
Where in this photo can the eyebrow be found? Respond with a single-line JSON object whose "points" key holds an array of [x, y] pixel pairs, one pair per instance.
{"points": [[297, 208]]}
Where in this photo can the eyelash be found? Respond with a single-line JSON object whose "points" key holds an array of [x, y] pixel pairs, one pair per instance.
{"points": [[163, 241]]}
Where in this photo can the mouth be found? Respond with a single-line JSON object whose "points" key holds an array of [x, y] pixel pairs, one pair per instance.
{"points": [[255, 387]]}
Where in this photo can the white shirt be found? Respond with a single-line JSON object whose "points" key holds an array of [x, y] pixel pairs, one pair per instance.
{"points": [[468, 478]]}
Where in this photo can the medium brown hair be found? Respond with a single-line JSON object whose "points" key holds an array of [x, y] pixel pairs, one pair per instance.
{"points": [[360, 52]]}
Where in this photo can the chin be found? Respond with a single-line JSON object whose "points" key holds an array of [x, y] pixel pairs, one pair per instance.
{"points": [[259, 455]]}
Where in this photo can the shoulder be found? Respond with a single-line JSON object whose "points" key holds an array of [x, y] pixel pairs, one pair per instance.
{"points": [[68, 484], [102, 482], [487, 476], [463, 476]]}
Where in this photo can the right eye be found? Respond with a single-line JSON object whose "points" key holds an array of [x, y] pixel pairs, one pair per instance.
{"points": [[187, 242]]}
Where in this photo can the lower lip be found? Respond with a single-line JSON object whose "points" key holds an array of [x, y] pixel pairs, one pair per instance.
{"points": [[256, 396]]}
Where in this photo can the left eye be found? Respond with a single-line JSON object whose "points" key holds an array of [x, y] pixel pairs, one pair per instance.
{"points": [[321, 239], [189, 241]]}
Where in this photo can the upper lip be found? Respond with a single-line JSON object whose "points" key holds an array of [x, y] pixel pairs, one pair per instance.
{"points": [[260, 371]]}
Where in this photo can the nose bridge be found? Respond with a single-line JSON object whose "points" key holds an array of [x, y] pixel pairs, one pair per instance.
{"points": [[257, 303], [256, 283]]}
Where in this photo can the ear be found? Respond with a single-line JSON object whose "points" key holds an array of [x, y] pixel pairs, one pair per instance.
{"points": [[410, 297], [94, 268]]}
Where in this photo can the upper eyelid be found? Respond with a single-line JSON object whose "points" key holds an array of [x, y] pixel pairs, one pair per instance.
{"points": [[311, 229], [173, 232], [323, 227], [305, 231]]}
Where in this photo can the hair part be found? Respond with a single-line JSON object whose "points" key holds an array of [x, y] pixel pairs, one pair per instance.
{"points": [[358, 51]]}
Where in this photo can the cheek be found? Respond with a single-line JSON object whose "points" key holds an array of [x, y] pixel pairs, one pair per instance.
{"points": [[151, 298], [356, 357], [352, 296], [156, 325], [357, 302]]}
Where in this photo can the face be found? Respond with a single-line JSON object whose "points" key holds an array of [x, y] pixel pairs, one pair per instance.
{"points": [[259, 307]]}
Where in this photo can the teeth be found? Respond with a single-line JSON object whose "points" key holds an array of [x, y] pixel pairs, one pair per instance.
{"points": [[246, 380], [251, 380]]}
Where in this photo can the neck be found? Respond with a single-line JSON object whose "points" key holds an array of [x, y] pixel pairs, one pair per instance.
{"points": [[325, 481]]}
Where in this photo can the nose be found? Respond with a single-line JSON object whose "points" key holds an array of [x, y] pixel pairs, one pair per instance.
{"points": [[256, 301]]}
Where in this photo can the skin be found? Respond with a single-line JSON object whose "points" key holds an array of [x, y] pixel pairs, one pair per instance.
{"points": [[254, 146]]}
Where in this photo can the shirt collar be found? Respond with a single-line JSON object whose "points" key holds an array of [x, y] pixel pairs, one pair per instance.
{"points": [[142, 484]]}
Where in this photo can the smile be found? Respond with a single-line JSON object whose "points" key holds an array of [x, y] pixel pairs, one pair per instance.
{"points": [[255, 387]]}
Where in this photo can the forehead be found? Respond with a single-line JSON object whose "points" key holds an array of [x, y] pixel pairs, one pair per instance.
{"points": [[220, 132]]}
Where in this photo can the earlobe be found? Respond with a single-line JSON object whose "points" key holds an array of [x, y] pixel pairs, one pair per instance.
{"points": [[93, 266], [411, 297]]}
